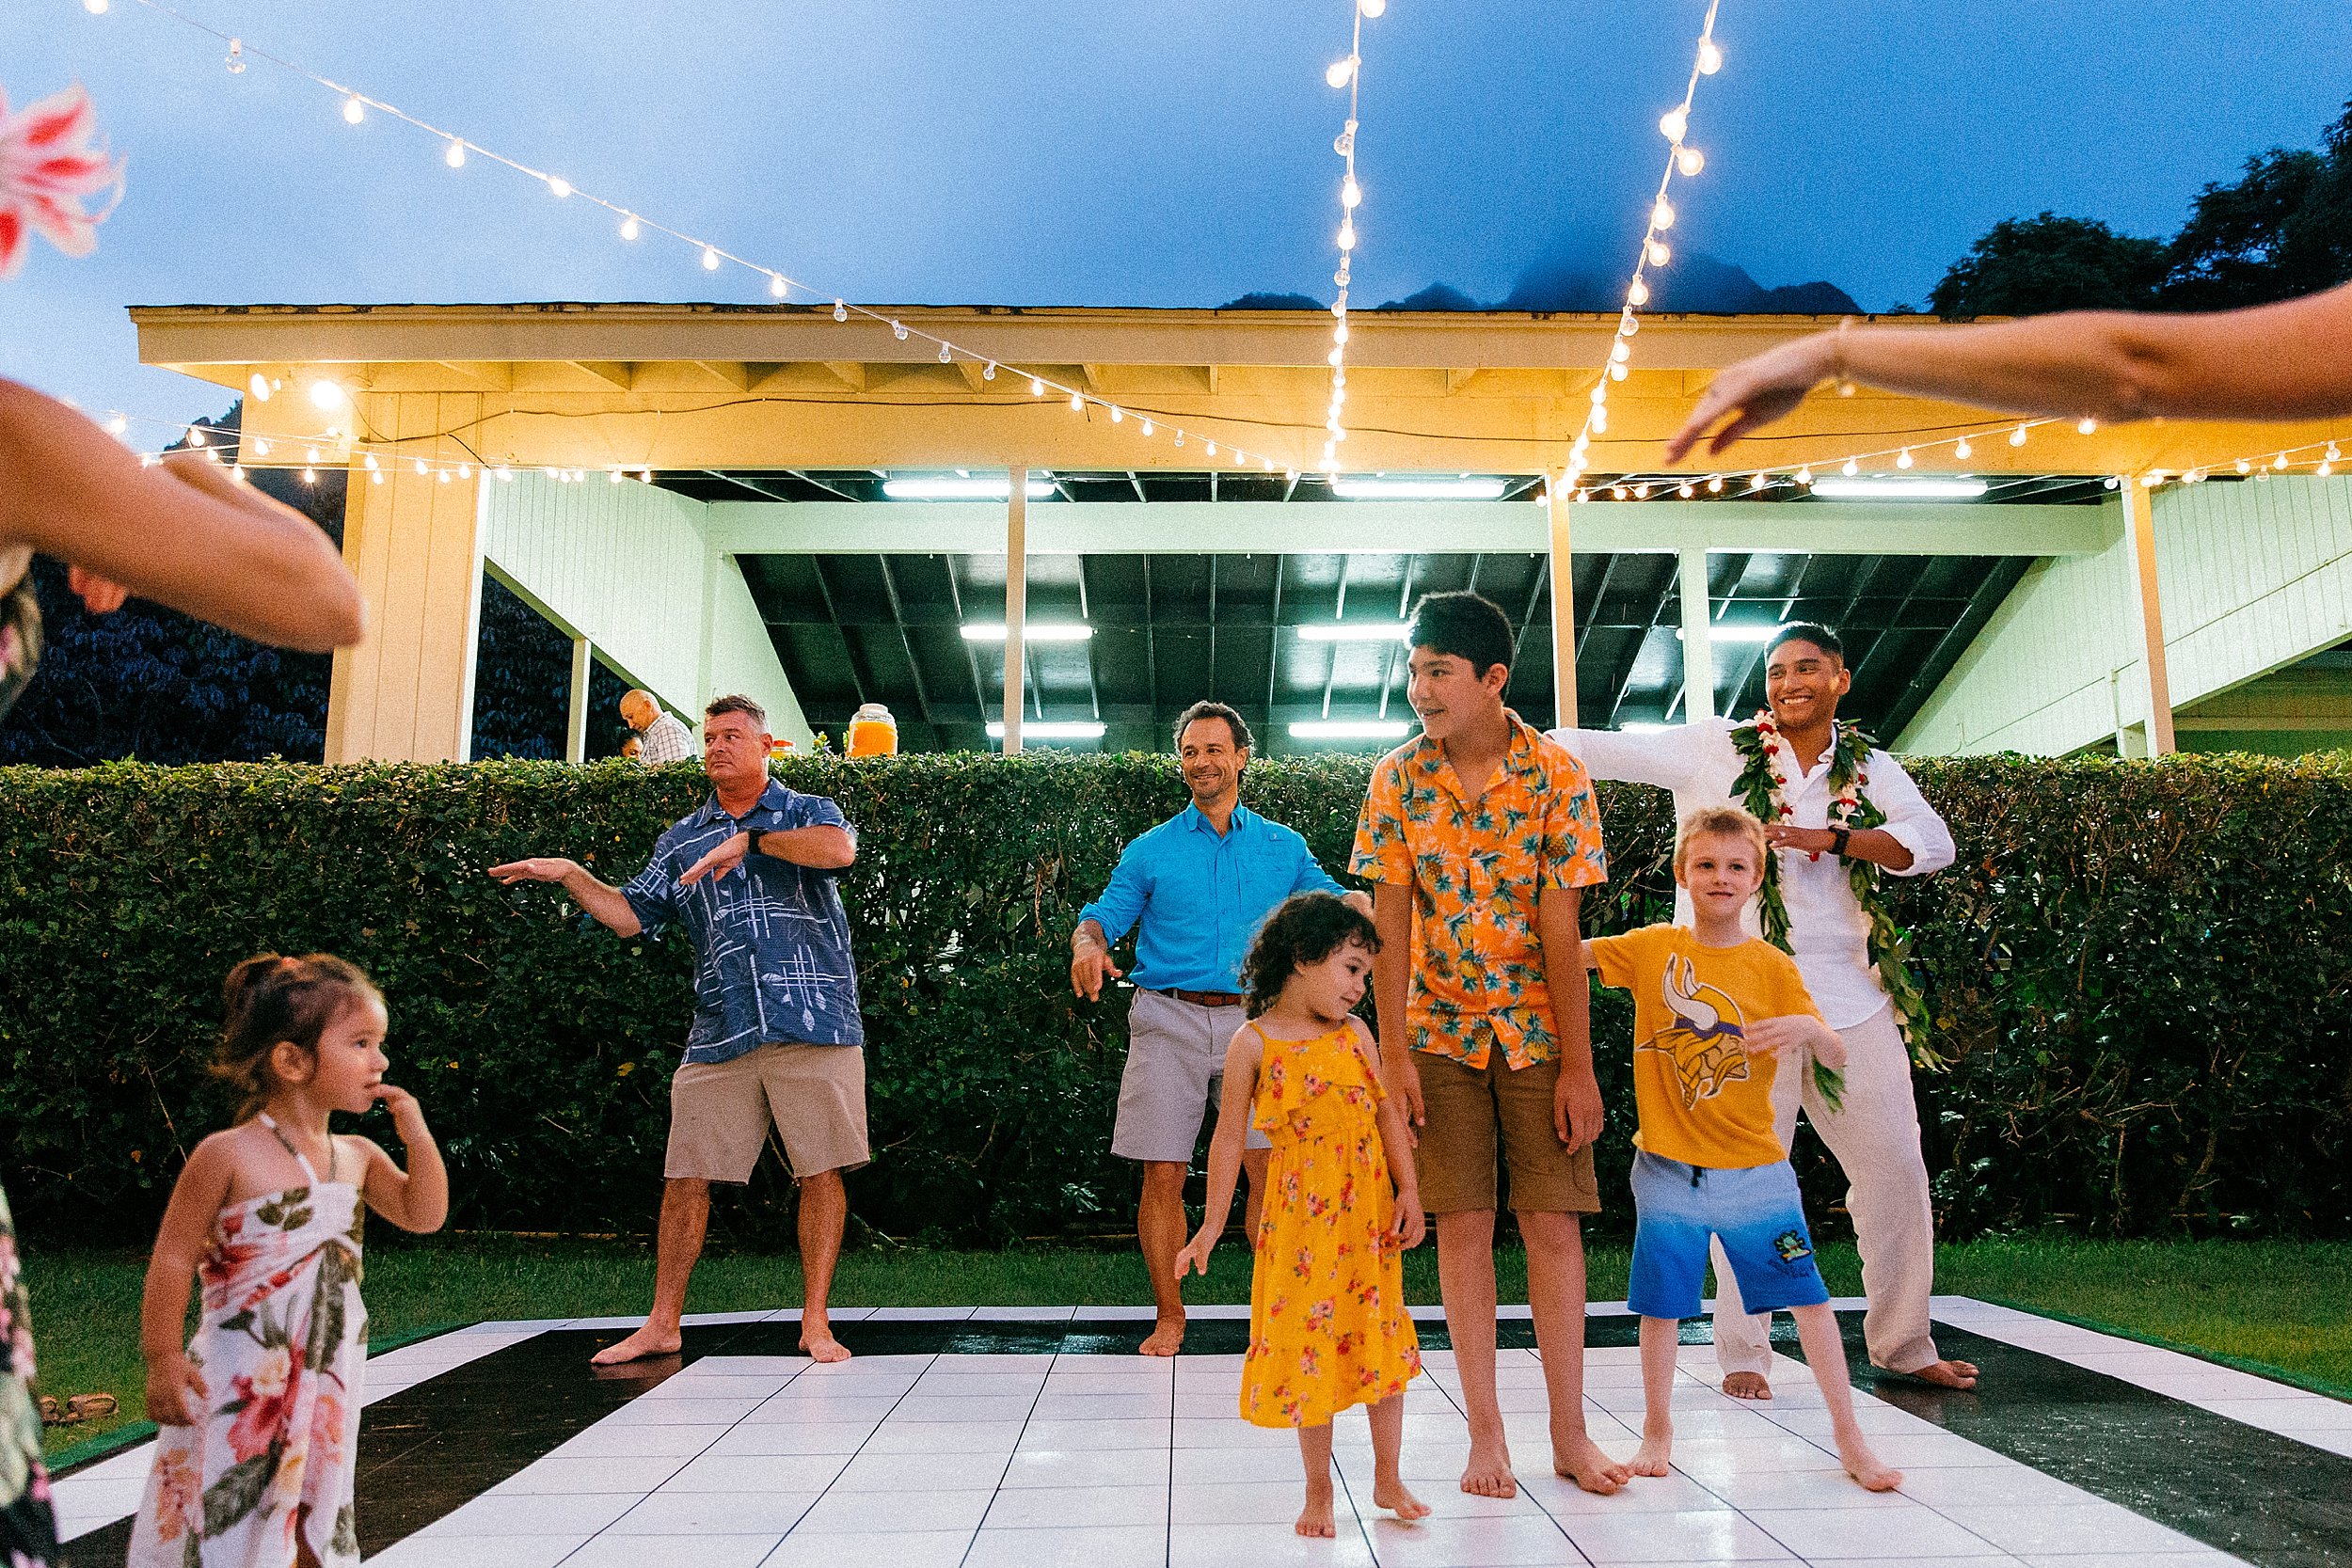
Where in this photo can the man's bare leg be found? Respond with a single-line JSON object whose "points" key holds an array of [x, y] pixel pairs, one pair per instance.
{"points": [[824, 1214], [1555, 1295], [1161, 1227], [685, 1215], [1466, 1282]]}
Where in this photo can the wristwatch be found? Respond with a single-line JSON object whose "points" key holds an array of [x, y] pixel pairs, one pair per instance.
{"points": [[1837, 837], [753, 847]]}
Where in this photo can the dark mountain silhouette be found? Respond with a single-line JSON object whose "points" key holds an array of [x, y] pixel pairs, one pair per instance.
{"points": [[1437, 296], [1573, 278], [1272, 302]]}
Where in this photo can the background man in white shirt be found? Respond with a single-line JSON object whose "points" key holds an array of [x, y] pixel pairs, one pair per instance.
{"points": [[662, 735], [1875, 1132]]}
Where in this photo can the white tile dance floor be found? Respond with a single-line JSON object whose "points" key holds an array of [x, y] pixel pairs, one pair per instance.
{"points": [[1100, 1461]]}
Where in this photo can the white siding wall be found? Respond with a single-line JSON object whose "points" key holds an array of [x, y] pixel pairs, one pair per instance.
{"points": [[2251, 577], [629, 568]]}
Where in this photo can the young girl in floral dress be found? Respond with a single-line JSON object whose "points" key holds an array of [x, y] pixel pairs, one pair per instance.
{"points": [[1327, 1325], [260, 1411]]}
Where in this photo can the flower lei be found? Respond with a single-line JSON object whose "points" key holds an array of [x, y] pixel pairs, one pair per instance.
{"points": [[1763, 789]]}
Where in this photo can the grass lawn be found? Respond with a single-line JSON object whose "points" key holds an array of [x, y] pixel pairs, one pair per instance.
{"points": [[2283, 1304]]}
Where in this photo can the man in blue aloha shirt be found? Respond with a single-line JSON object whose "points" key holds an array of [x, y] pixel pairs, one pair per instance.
{"points": [[749, 877]]}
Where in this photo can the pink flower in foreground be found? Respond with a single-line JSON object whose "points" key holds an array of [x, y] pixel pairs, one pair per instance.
{"points": [[48, 171]]}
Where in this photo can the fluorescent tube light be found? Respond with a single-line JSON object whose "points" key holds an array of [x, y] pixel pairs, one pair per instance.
{"points": [[951, 487], [1737, 631], [1417, 489], [1900, 489], [1350, 729], [1359, 631], [1050, 729], [1031, 631]]}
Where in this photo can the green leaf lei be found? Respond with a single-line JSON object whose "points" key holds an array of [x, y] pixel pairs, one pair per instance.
{"points": [[1758, 789]]}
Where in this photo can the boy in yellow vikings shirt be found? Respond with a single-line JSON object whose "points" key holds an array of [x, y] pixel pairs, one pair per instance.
{"points": [[1715, 1011]]}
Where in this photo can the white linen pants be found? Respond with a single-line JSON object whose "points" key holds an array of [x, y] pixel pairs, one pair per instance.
{"points": [[1875, 1137]]}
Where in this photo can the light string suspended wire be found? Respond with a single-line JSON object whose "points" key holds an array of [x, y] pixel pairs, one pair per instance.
{"points": [[1347, 74], [1683, 159], [458, 149]]}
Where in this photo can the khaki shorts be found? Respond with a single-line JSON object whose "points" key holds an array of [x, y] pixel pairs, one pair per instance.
{"points": [[719, 1112], [1472, 1110], [1174, 1075]]}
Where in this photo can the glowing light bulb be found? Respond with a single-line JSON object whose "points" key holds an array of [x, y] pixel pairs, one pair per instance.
{"points": [[2280, 461], [1710, 57], [1340, 72], [2017, 436], [1756, 482], [990, 373], [1961, 449], [710, 259], [557, 186], [1714, 484], [1674, 125], [310, 476], [613, 478], [310, 455], [1601, 419], [1628, 325], [1662, 215], [258, 385], [1347, 234], [631, 228], [2244, 467], [1641, 492], [2086, 426], [1077, 403], [118, 425], [1600, 392], [1617, 373], [1804, 476], [1904, 460], [376, 478], [445, 476], [1690, 160], [1660, 253], [1618, 492], [2333, 456], [1037, 387], [1208, 446], [1373, 7], [1686, 490], [96, 7], [1146, 427], [455, 155], [465, 471], [777, 286], [196, 437], [2325, 467], [898, 330], [1118, 414], [260, 448], [946, 354], [1351, 194], [1638, 293], [644, 476], [1851, 468], [841, 311], [421, 466], [353, 111], [368, 463]]}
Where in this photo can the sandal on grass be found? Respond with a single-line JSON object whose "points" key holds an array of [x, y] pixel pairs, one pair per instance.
{"points": [[91, 1407]]}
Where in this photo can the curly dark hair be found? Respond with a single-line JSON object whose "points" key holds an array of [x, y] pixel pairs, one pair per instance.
{"points": [[272, 998], [1305, 928]]}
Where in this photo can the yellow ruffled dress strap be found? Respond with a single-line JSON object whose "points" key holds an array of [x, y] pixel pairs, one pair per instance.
{"points": [[1293, 1073]]}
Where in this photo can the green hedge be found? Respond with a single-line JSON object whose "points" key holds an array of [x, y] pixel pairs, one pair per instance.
{"points": [[2139, 969]]}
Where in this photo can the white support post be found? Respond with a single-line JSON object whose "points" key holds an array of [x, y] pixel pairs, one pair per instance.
{"points": [[1016, 603], [575, 723], [2139, 519], [1698, 645], [1562, 569]]}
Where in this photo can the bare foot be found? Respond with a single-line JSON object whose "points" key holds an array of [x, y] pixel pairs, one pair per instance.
{"points": [[1316, 1518], [646, 1341], [1388, 1492], [819, 1342], [1166, 1338], [1488, 1473], [1866, 1467], [1747, 1386], [1947, 1374], [1654, 1457], [1580, 1459]]}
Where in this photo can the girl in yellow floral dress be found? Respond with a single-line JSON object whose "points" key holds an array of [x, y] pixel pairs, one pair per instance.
{"points": [[260, 1411], [1327, 1325]]}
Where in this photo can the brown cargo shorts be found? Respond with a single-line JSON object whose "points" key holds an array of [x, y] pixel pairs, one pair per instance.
{"points": [[814, 1095], [1475, 1115]]}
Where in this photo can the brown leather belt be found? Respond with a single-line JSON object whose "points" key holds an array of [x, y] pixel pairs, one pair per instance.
{"points": [[1208, 998]]}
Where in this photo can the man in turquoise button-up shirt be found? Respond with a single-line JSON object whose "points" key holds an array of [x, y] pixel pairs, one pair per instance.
{"points": [[1200, 885]]}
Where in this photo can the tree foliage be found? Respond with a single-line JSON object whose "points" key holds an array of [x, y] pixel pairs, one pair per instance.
{"points": [[2282, 228], [2138, 968]]}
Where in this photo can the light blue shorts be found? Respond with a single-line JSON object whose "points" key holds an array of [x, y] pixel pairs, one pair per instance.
{"points": [[1756, 1213]]}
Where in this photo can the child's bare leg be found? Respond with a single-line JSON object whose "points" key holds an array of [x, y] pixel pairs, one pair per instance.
{"points": [[1388, 1444], [1555, 1294], [1662, 1340], [1825, 1352], [1314, 1452]]}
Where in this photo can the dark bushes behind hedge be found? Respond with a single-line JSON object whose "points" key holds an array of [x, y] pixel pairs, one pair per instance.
{"points": [[2139, 969]]}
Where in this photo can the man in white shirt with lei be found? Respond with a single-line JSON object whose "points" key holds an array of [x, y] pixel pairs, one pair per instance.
{"points": [[1840, 812]]}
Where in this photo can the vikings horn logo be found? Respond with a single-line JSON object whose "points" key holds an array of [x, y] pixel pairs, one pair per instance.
{"points": [[1705, 1040]]}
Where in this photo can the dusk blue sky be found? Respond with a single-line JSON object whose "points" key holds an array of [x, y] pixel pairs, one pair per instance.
{"points": [[1109, 152]]}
